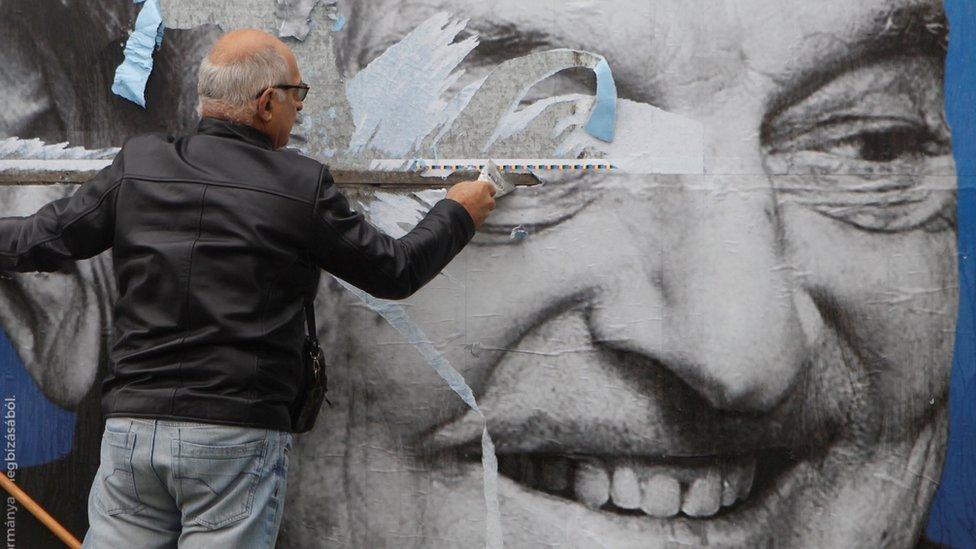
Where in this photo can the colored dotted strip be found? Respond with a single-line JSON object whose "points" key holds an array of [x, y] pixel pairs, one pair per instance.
{"points": [[518, 167]]}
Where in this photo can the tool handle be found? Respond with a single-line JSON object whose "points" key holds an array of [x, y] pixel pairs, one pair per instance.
{"points": [[493, 175], [36, 510]]}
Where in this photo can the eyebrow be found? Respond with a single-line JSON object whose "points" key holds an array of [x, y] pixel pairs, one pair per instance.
{"points": [[499, 42], [919, 30]]}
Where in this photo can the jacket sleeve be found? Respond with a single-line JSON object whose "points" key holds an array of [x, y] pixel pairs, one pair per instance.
{"points": [[349, 247], [74, 227]]}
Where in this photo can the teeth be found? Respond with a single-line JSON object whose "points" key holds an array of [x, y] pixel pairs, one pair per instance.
{"points": [[626, 489], [747, 478], [737, 481], [704, 497], [660, 491], [662, 496], [592, 484], [729, 490]]}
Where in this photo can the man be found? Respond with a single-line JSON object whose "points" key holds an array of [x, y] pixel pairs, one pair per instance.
{"points": [[655, 340], [218, 240]]}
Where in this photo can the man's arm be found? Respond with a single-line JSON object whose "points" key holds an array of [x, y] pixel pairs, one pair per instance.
{"points": [[58, 323], [79, 226], [349, 247]]}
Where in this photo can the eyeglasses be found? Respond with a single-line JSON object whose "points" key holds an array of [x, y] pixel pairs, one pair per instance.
{"points": [[301, 93]]}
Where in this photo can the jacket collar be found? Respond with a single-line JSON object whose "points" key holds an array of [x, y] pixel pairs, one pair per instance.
{"points": [[233, 130]]}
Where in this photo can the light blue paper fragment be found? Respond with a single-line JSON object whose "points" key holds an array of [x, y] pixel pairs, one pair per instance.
{"points": [[603, 118], [339, 23], [519, 233], [397, 100], [131, 76], [397, 317]]}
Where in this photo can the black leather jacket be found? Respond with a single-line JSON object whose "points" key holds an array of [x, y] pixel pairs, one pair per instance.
{"points": [[216, 241]]}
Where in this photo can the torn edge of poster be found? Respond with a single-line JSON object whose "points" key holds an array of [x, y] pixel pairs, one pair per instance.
{"points": [[133, 73], [398, 318]]}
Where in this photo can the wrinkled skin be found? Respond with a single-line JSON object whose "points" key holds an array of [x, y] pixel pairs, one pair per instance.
{"points": [[795, 306]]}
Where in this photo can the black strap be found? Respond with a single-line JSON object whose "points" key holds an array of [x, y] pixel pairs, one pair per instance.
{"points": [[310, 319]]}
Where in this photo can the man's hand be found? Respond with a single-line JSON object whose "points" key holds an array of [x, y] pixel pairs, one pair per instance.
{"points": [[476, 197]]}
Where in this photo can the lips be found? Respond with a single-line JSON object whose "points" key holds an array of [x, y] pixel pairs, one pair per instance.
{"points": [[654, 450]]}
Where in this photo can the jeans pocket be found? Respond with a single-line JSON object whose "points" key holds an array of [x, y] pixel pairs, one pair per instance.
{"points": [[115, 489], [217, 482]]}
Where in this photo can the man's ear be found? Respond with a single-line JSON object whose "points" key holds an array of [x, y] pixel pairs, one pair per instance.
{"points": [[264, 105]]}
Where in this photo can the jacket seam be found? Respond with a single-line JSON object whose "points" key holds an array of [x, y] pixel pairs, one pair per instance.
{"points": [[217, 183], [354, 248], [61, 229], [262, 322], [311, 219], [189, 274], [342, 237]]}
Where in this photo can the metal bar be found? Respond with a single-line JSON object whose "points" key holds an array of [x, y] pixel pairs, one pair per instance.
{"points": [[57, 172]]}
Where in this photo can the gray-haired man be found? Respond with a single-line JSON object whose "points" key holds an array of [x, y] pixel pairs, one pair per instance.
{"points": [[218, 240]]}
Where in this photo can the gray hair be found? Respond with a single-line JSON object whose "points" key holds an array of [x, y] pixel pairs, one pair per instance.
{"points": [[228, 90]]}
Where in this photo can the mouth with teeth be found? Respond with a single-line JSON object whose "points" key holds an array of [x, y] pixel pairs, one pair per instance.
{"points": [[651, 466], [696, 488]]}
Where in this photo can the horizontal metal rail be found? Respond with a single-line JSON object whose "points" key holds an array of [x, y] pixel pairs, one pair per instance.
{"points": [[59, 172]]}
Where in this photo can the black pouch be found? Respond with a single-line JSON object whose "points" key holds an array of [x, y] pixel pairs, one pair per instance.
{"points": [[315, 382]]}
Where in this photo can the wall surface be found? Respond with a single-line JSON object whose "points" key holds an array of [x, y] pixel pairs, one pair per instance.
{"points": [[756, 329]]}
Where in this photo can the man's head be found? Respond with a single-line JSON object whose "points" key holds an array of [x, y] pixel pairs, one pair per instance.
{"points": [[238, 78]]}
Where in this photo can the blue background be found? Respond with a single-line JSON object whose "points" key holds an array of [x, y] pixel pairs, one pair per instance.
{"points": [[953, 517], [45, 431]]}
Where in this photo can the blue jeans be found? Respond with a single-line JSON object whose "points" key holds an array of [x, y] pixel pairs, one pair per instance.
{"points": [[184, 484]]}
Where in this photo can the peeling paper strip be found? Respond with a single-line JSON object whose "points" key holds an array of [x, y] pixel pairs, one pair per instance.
{"points": [[397, 317], [131, 76], [58, 165], [396, 100], [397, 213], [604, 116], [13, 148], [501, 94]]}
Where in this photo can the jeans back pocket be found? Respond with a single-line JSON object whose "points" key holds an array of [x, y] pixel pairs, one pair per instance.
{"points": [[115, 489], [217, 481]]}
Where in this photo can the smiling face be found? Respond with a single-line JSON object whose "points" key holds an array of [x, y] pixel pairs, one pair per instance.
{"points": [[757, 356]]}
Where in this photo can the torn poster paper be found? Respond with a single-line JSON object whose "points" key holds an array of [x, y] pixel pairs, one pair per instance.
{"points": [[397, 317], [33, 155], [14, 148], [493, 110], [339, 23], [131, 76], [648, 140], [259, 14], [397, 99], [294, 17]]}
